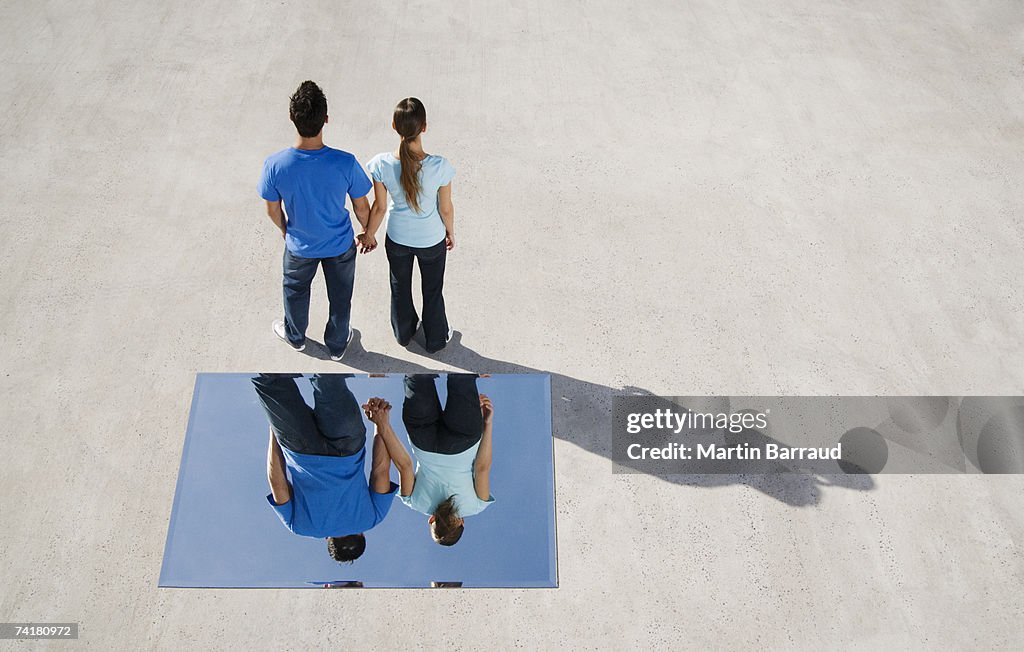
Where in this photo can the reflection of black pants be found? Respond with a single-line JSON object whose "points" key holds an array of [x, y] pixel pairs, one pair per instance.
{"points": [[403, 312], [334, 426], [448, 431]]}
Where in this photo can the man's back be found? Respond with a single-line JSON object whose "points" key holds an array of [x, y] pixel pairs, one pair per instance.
{"points": [[313, 184], [330, 496]]}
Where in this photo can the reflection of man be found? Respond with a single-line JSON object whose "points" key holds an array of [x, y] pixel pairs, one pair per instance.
{"points": [[315, 462], [452, 447]]}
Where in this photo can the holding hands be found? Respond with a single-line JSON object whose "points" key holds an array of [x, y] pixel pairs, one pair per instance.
{"points": [[367, 242], [378, 411]]}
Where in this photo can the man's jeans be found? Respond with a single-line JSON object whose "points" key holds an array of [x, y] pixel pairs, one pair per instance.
{"points": [[449, 431], [334, 426], [339, 274], [403, 313]]}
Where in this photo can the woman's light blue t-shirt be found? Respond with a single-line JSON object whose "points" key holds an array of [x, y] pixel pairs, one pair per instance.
{"points": [[406, 226], [439, 476]]}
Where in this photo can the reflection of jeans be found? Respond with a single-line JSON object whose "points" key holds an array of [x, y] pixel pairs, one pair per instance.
{"points": [[334, 426], [403, 313], [339, 274], [447, 431]]}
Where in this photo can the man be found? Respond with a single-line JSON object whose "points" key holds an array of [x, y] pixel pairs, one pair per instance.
{"points": [[305, 188], [315, 461]]}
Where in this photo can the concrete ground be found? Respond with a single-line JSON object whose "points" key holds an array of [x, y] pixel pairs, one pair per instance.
{"points": [[703, 197]]}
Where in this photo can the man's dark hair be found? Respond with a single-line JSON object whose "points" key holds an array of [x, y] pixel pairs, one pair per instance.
{"points": [[308, 109], [346, 549]]}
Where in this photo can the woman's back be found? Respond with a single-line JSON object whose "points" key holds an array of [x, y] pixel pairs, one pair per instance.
{"points": [[423, 228], [439, 476]]}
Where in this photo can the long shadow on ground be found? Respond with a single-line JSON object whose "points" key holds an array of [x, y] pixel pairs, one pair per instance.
{"points": [[582, 415]]}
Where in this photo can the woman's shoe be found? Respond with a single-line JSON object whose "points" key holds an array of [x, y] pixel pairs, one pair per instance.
{"points": [[451, 334], [414, 331]]}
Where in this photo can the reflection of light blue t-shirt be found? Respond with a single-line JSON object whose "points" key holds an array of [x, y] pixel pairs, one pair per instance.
{"points": [[405, 226], [439, 476], [313, 184], [330, 496]]}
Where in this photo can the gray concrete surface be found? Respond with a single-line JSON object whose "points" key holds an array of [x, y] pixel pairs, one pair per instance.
{"points": [[705, 197]]}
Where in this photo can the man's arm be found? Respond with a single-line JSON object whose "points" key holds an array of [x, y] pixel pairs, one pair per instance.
{"points": [[275, 209], [447, 211], [482, 462], [279, 487], [379, 412], [361, 207]]}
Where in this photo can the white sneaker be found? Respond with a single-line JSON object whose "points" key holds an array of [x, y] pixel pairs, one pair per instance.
{"points": [[278, 327], [337, 358]]}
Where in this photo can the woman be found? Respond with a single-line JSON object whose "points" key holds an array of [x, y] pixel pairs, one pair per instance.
{"points": [[421, 225], [452, 447]]}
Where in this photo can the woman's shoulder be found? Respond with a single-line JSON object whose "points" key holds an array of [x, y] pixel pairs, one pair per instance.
{"points": [[382, 158], [381, 161], [441, 167]]}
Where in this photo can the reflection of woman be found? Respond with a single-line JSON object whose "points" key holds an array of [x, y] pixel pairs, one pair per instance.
{"points": [[421, 225], [452, 447], [315, 461]]}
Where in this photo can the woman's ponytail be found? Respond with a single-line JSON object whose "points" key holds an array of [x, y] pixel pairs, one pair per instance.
{"points": [[410, 116]]}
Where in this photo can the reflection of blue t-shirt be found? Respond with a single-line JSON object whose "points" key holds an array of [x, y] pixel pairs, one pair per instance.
{"points": [[330, 496], [439, 476], [313, 184], [405, 226]]}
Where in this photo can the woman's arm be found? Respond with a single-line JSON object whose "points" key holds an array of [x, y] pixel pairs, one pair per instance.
{"points": [[377, 211], [379, 412], [447, 211], [482, 462], [279, 488], [380, 469]]}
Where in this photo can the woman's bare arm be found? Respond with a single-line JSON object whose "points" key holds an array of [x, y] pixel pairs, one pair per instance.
{"points": [[447, 211], [482, 462], [379, 412], [377, 210]]}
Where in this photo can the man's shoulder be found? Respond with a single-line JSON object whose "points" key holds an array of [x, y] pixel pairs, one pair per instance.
{"points": [[341, 156], [280, 156]]}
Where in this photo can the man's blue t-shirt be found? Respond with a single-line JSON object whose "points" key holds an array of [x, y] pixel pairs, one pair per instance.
{"points": [[330, 496], [313, 184]]}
